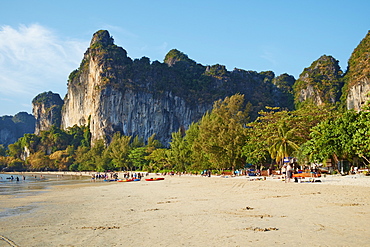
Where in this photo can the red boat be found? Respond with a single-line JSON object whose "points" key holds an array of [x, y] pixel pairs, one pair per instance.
{"points": [[153, 179], [126, 180], [129, 180]]}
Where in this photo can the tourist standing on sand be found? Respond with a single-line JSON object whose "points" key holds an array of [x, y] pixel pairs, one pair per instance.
{"points": [[288, 173], [283, 171]]}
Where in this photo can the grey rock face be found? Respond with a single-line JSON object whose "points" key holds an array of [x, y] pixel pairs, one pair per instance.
{"points": [[130, 112], [358, 94], [110, 92], [47, 108]]}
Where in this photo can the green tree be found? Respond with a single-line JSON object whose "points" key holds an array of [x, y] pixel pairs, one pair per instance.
{"points": [[152, 144], [118, 151], [333, 139], [137, 142], [180, 153], [137, 157], [158, 160], [361, 137], [222, 132], [15, 150], [16, 165], [198, 158], [270, 122], [84, 161], [53, 140], [283, 143], [39, 161], [255, 149], [62, 159], [79, 136]]}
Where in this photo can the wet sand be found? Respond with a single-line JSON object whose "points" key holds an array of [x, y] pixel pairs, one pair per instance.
{"points": [[193, 211]]}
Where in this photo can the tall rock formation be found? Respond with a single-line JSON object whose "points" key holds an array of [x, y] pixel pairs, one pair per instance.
{"points": [[110, 92], [320, 83], [357, 78], [47, 109]]}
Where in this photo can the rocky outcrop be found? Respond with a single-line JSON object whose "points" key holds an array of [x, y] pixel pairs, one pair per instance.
{"points": [[110, 92], [320, 83], [357, 89], [358, 94], [14, 127], [132, 113], [99, 96], [47, 109]]}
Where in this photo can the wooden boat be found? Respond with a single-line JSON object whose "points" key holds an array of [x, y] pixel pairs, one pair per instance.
{"points": [[153, 179]]}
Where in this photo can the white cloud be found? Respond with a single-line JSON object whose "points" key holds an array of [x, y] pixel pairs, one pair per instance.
{"points": [[33, 59]]}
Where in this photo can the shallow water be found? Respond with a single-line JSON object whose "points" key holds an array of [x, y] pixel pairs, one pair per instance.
{"points": [[29, 185], [34, 182]]}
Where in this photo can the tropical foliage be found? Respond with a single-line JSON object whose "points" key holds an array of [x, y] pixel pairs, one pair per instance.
{"points": [[223, 138]]}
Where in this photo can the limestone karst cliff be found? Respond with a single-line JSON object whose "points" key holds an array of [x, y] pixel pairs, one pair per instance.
{"points": [[47, 108], [111, 92], [357, 88], [320, 83]]}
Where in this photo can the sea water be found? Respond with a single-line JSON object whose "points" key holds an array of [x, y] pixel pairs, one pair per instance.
{"points": [[12, 188]]}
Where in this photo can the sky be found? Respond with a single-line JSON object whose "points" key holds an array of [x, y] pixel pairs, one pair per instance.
{"points": [[42, 41]]}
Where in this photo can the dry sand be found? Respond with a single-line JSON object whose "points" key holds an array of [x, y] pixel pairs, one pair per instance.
{"points": [[194, 211]]}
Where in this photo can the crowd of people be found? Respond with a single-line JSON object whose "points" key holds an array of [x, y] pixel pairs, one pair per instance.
{"points": [[114, 175]]}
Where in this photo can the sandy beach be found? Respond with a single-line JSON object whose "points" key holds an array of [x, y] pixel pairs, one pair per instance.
{"points": [[193, 211]]}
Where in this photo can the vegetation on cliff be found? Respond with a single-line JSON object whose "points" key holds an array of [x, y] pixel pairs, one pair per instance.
{"points": [[47, 109], [223, 139], [285, 95], [178, 74], [227, 137], [320, 83], [358, 66]]}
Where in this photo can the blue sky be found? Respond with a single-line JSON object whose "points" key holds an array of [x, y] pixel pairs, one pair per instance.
{"points": [[41, 42]]}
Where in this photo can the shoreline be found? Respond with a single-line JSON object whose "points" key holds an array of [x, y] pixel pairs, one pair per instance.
{"points": [[194, 211], [355, 179]]}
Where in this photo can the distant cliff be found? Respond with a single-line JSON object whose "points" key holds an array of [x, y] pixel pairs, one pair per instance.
{"points": [[111, 92], [14, 127], [357, 88], [47, 108]]}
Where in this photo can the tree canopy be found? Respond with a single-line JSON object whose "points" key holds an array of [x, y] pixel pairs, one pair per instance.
{"points": [[223, 138]]}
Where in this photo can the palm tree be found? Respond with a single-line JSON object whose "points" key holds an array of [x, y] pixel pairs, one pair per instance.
{"points": [[283, 144]]}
